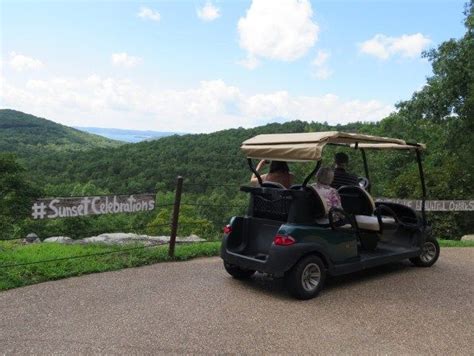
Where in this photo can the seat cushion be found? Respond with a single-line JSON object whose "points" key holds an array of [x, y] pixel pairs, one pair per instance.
{"points": [[325, 222], [322, 221], [371, 223]]}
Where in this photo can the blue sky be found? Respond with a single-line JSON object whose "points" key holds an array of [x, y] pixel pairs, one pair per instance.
{"points": [[200, 66]]}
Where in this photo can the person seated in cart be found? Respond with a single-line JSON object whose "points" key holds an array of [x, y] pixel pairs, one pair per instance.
{"points": [[279, 172], [341, 175], [324, 179]]}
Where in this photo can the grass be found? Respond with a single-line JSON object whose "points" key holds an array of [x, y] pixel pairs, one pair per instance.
{"points": [[455, 243], [14, 253]]}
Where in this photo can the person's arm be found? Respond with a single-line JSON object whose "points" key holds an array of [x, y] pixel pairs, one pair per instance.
{"points": [[253, 178]]}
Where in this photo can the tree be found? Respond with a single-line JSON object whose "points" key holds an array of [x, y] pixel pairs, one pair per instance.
{"points": [[448, 96], [447, 99], [16, 195]]}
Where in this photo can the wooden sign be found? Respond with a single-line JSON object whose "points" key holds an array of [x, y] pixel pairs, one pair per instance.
{"points": [[434, 205], [96, 205]]}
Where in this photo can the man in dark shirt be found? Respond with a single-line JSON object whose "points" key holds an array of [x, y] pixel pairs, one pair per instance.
{"points": [[341, 176]]}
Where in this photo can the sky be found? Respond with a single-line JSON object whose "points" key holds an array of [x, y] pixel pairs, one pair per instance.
{"points": [[202, 66]]}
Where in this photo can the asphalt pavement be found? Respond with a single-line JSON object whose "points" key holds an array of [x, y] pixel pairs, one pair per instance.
{"points": [[194, 307]]}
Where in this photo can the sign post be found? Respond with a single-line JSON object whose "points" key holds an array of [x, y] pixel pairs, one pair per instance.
{"points": [[175, 218]]}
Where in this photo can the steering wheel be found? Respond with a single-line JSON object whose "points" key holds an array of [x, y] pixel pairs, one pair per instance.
{"points": [[363, 182]]}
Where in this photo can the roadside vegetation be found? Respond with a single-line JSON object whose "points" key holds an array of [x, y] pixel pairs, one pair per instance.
{"points": [[101, 258], [98, 258], [456, 243]]}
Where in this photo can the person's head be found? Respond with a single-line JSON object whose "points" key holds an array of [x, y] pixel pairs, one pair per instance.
{"points": [[325, 176], [341, 159], [279, 167]]}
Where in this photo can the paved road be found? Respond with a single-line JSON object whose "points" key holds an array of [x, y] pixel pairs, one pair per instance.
{"points": [[194, 307]]}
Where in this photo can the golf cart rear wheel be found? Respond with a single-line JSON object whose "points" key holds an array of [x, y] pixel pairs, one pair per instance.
{"points": [[237, 272], [306, 278], [429, 254]]}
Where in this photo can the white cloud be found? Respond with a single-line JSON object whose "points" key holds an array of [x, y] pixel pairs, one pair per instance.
{"points": [[322, 73], [123, 59], [319, 68], [250, 62], [284, 31], [20, 62], [321, 58], [212, 105], [149, 14], [383, 47], [208, 12]]}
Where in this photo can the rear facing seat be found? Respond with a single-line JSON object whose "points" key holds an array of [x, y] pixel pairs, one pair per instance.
{"points": [[371, 223], [358, 202], [316, 207]]}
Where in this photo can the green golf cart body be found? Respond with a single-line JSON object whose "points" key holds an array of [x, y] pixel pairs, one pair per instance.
{"points": [[291, 233]]}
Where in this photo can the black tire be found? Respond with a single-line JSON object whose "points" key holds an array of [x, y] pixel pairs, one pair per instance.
{"points": [[429, 253], [237, 272], [301, 278]]}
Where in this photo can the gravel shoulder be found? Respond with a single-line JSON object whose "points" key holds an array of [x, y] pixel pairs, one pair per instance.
{"points": [[195, 307]]}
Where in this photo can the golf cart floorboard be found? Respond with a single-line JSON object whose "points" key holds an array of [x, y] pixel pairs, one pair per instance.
{"points": [[383, 254]]}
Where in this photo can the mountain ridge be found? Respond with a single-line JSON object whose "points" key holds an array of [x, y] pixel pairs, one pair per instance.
{"points": [[25, 134]]}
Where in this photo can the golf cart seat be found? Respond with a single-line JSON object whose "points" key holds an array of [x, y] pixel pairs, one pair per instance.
{"points": [[371, 223], [358, 202], [322, 218], [309, 207], [306, 206], [269, 184]]}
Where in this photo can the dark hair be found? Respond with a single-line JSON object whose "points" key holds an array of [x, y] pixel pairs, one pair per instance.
{"points": [[341, 158], [279, 166]]}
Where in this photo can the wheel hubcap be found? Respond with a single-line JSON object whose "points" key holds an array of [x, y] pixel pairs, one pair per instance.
{"points": [[428, 252], [310, 277]]}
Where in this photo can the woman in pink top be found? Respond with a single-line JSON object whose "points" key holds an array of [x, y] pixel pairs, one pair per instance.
{"points": [[278, 173], [324, 178]]}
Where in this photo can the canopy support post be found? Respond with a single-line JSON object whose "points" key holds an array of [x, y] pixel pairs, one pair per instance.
{"points": [[423, 186], [252, 168], [366, 167], [312, 173]]}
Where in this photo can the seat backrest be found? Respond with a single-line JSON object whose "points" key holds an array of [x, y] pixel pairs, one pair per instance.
{"points": [[306, 206], [320, 199], [356, 200], [269, 184], [270, 202]]}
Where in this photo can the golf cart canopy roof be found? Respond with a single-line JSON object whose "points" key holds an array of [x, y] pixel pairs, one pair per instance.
{"points": [[308, 146]]}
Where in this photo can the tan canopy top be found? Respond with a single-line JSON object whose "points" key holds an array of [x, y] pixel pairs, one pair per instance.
{"points": [[308, 146]]}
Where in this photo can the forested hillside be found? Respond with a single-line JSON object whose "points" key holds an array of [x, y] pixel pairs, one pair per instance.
{"points": [[25, 134], [439, 115], [215, 158]]}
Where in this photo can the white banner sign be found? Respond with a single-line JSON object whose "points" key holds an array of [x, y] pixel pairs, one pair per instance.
{"points": [[434, 205], [98, 205]]}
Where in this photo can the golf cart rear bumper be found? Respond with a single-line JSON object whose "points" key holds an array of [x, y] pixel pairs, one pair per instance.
{"points": [[279, 260]]}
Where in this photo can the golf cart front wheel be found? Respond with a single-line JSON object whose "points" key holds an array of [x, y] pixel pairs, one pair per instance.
{"points": [[306, 278], [237, 272], [429, 254]]}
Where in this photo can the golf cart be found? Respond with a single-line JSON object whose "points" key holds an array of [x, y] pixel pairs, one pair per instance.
{"points": [[291, 233]]}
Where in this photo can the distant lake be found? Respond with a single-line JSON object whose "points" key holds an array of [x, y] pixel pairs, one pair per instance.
{"points": [[127, 135]]}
